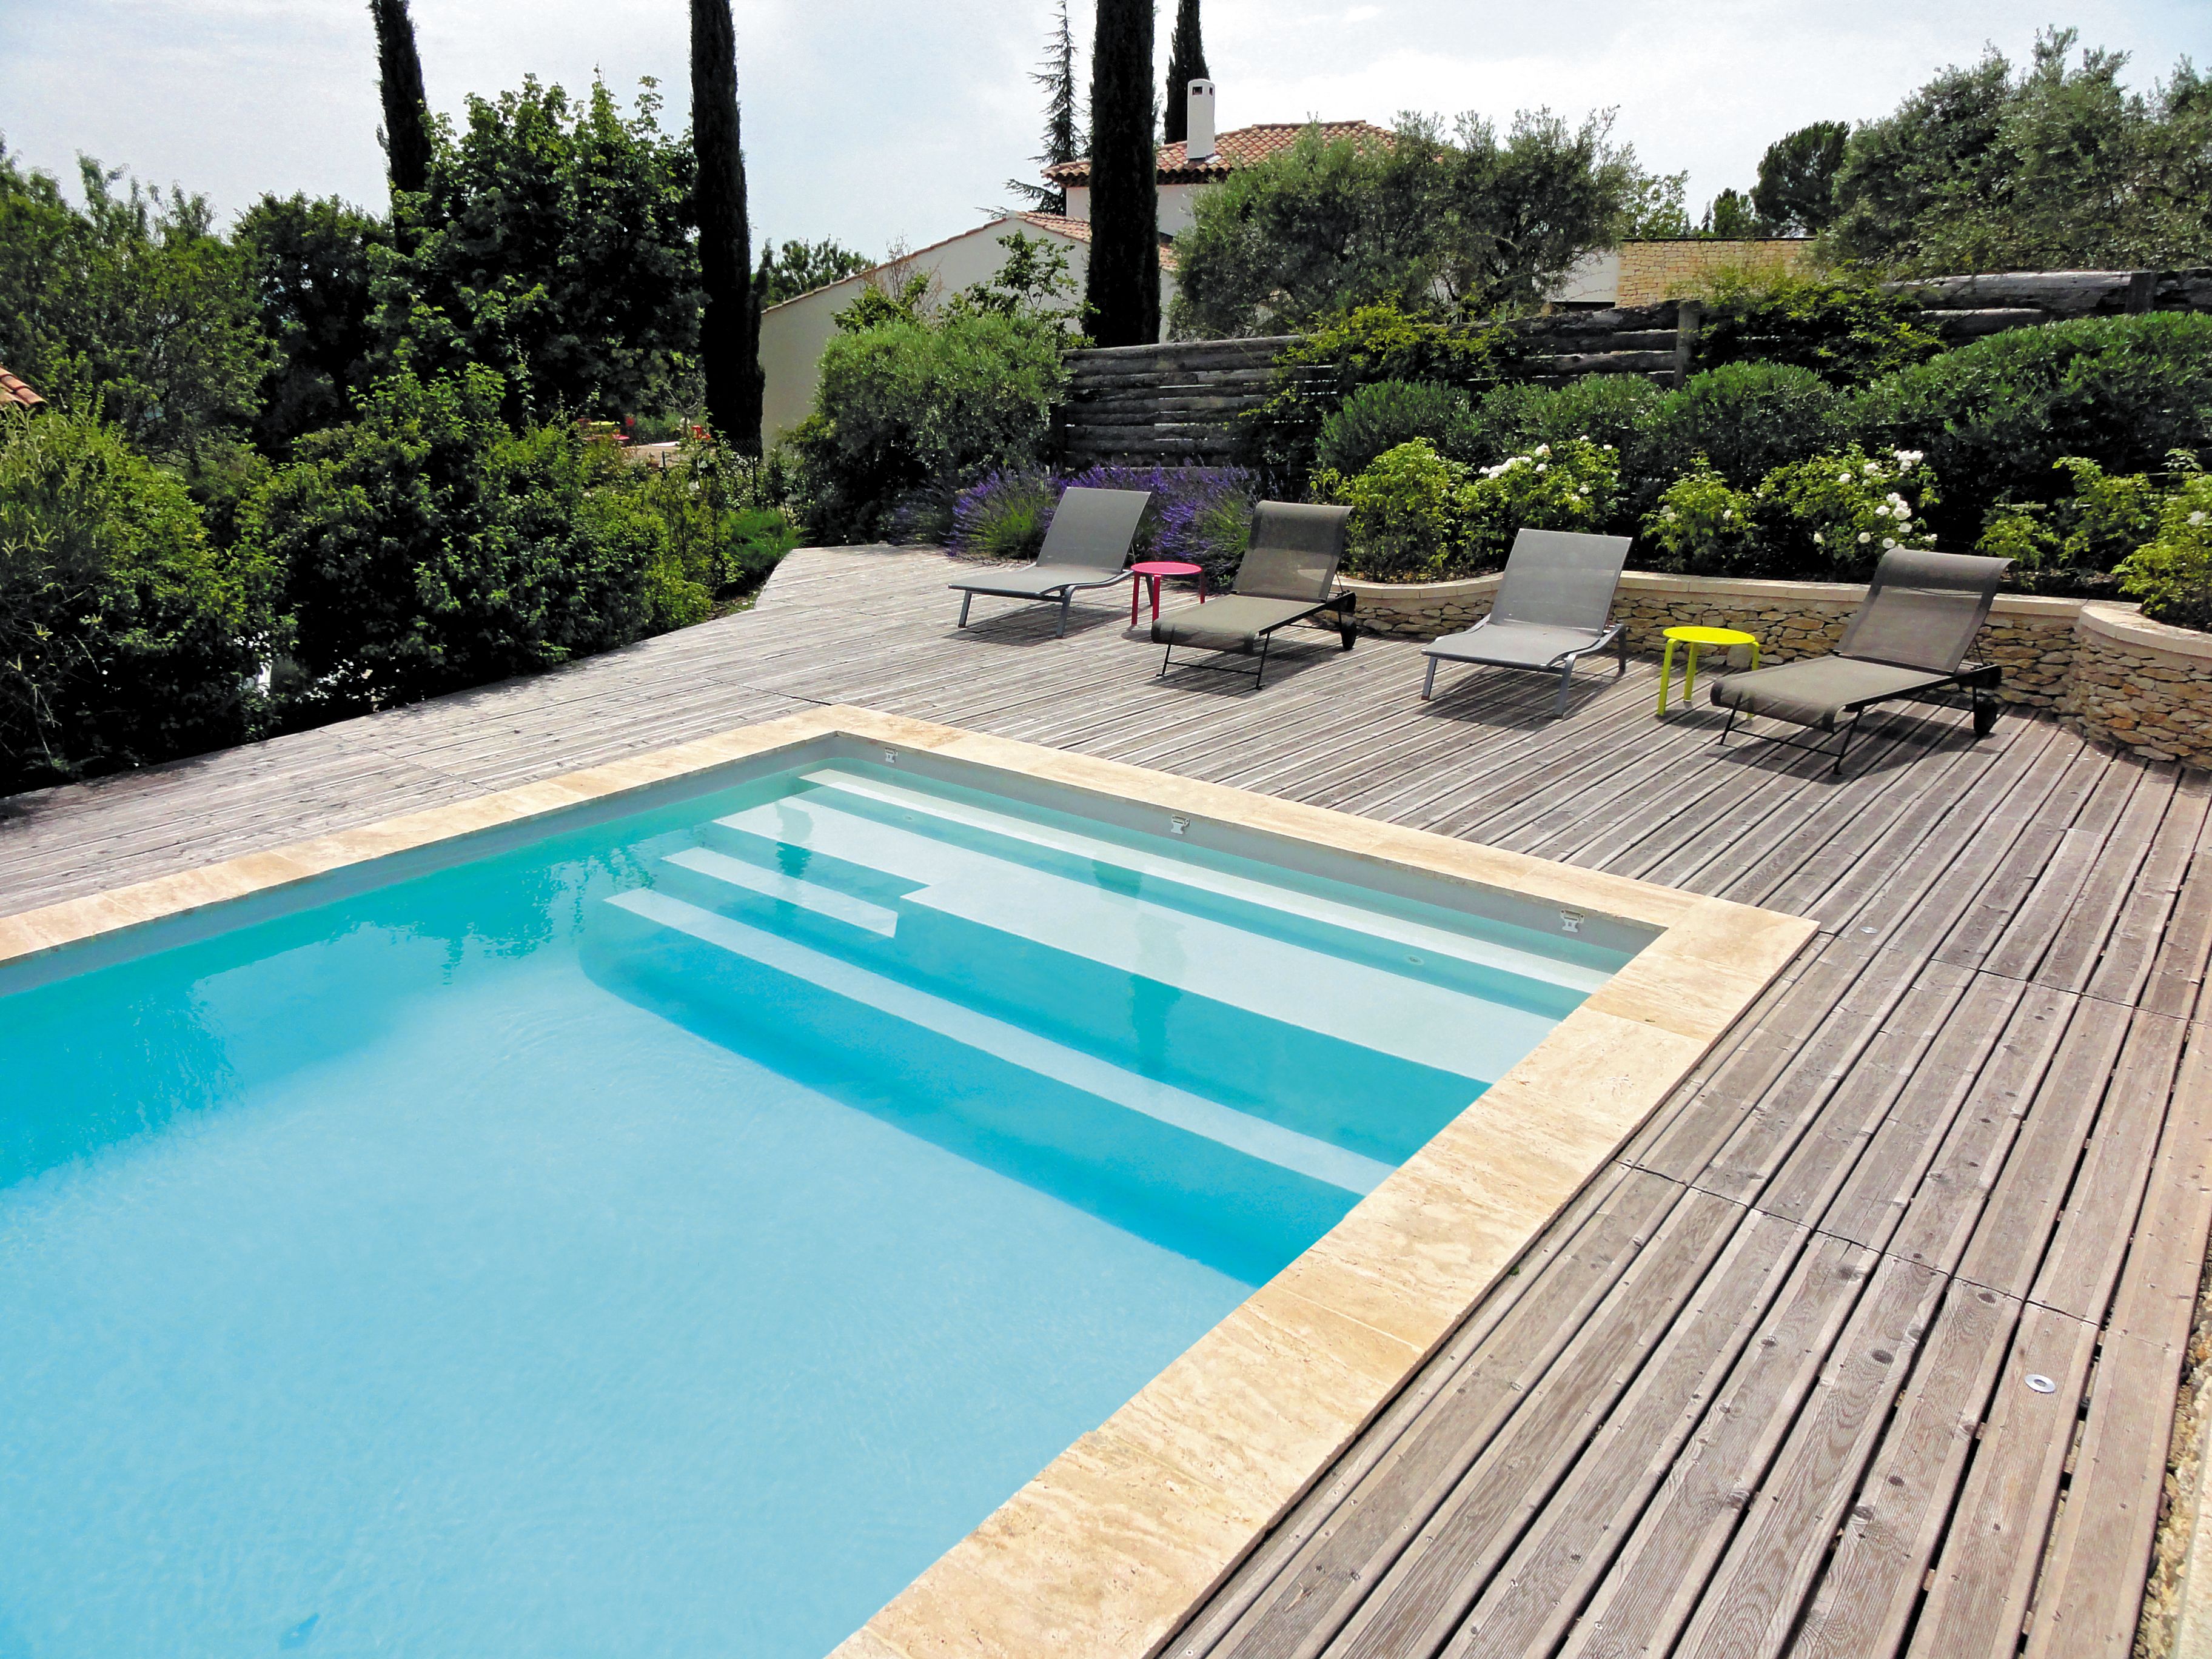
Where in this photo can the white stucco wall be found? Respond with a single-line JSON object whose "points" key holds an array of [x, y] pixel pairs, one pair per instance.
{"points": [[1178, 206]]}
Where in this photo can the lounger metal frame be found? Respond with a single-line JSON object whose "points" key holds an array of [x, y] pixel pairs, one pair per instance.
{"points": [[1346, 626], [1615, 634], [1974, 678], [1068, 590]]}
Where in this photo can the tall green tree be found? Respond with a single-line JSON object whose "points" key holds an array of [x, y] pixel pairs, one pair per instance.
{"points": [[729, 325], [556, 248], [2056, 166], [1797, 188], [795, 268], [1124, 290], [407, 141], [1731, 216], [1186, 63], [1055, 75], [1461, 224], [307, 265], [131, 305]]}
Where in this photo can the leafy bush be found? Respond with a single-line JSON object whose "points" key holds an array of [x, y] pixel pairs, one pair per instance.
{"points": [[1409, 514], [2072, 544], [1704, 525], [908, 403], [1605, 409], [1745, 418], [1996, 416], [1376, 343], [1571, 485], [1844, 327], [1828, 517], [2172, 573], [1381, 416], [125, 636], [1418, 515], [428, 546], [695, 531]]}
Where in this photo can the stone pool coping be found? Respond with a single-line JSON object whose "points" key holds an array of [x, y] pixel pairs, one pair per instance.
{"points": [[1110, 1549]]}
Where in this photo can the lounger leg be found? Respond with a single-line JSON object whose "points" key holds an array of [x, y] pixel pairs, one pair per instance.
{"points": [[1066, 599], [1621, 651], [1985, 715], [1845, 748], [1720, 742], [966, 599], [1261, 678], [1429, 680], [1166, 657], [1566, 674]]}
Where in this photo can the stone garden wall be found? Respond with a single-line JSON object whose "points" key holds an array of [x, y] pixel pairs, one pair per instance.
{"points": [[2100, 667]]}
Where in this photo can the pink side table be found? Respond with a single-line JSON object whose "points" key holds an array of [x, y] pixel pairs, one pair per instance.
{"points": [[1151, 572]]}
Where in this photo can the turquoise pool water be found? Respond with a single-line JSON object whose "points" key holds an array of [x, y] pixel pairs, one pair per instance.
{"points": [[666, 1236]]}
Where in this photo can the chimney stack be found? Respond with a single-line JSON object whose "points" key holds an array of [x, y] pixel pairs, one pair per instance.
{"points": [[1198, 145]]}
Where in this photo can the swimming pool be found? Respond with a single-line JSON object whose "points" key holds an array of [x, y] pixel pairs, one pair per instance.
{"points": [[670, 1226]]}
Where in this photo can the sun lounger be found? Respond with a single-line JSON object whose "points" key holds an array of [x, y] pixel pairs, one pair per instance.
{"points": [[1909, 638], [1554, 607], [1086, 545], [1286, 578]]}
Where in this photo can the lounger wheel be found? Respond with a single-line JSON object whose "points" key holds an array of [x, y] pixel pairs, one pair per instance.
{"points": [[1348, 630]]}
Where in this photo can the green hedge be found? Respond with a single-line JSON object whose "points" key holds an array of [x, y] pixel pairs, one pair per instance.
{"points": [[126, 637]]}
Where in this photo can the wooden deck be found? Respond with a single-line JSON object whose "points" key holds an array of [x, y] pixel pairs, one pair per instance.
{"points": [[1866, 1345]]}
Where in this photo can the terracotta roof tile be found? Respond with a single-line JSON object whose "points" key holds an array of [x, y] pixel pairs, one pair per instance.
{"points": [[1240, 147], [14, 392]]}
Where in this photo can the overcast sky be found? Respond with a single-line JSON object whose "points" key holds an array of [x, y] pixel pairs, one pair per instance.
{"points": [[877, 123]]}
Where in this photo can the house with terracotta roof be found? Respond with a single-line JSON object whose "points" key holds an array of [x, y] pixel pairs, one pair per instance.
{"points": [[14, 394], [794, 334]]}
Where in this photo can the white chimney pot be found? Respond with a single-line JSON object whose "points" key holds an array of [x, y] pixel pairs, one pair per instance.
{"points": [[1199, 146]]}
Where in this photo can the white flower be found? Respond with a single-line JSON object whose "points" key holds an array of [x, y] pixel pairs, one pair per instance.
{"points": [[2197, 518], [1584, 438], [1543, 466], [1874, 466], [1543, 449], [1728, 512], [1864, 538], [1900, 511], [1889, 542], [1892, 496], [1907, 457], [1582, 490], [1843, 477], [1819, 540], [1667, 514]]}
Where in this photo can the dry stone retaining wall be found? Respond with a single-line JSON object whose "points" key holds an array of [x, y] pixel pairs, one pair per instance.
{"points": [[2101, 667]]}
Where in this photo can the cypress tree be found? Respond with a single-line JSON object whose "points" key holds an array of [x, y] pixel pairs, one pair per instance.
{"points": [[406, 112], [1056, 74], [729, 324], [1124, 290], [1186, 63]]}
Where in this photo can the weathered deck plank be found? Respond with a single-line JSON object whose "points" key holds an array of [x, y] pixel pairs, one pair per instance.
{"points": [[1762, 1388]]}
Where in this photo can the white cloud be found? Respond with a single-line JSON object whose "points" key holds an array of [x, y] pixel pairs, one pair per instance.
{"points": [[872, 123]]}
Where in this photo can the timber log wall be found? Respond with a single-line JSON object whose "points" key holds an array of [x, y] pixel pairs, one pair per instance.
{"points": [[1186, 400]]}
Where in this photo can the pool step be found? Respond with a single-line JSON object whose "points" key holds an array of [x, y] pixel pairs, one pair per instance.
{"points": [[1238, 1131], [724, 871], [1189, 881], [1299, 987]]}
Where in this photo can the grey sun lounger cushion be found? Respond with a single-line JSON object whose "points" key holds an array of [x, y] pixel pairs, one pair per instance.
{"points": [[1086, 545], [1287, 574], [1909, 636], [1554, 606]]}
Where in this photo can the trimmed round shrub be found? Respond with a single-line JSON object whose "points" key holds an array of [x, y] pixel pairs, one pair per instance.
{"points": [[1574, 485], [126, 637], [1995, 417], [1745, 419], [1409, 514], [1379, 417], [1602, 408]]}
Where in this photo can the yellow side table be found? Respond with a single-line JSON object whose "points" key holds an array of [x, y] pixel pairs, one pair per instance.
{"points": [[1694, 637]]}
